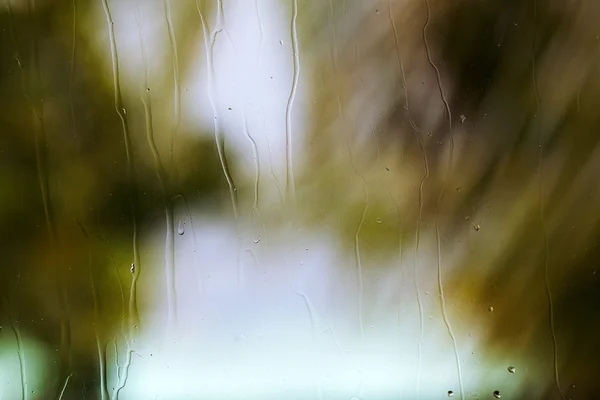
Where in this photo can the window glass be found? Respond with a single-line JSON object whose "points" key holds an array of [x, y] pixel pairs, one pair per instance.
{"points": [[253, 199]]}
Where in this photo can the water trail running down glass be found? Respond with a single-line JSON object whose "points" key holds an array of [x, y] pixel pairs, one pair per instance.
{"points": [[95, 320], [176, 85], [401, 66], [416, 263], [209, 43], [439, 204], [134, 318], [541, 202], [160, 175], [290, 184]]}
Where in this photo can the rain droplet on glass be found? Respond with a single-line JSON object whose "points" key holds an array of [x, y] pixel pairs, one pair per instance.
{"points": [[497, 394], [450, 393], [512, 369], [180, 228], [256, 240], [132, 269]]}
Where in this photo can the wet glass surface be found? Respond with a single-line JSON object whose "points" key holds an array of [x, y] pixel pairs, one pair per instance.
{"points": [[251, 199]]}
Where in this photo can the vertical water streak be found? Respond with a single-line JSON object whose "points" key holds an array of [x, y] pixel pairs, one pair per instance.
{"points": [[134, 318], [209, 42], [176, 85], [261, 34], [311, 315], [221, 26], [41, 156], [359, 266], [122, 293], [160, 175], [401, 66], [416, 262], [541, 202], [64, 388], [443, 305], [14, 325], [256, 161], [123, 372], [290, 184], [439, 204], [342, 114], [258, 69], [95, 318], [398, 315]]}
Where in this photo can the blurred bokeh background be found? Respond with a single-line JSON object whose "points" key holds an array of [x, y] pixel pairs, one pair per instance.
{"points": [[265, 199]]}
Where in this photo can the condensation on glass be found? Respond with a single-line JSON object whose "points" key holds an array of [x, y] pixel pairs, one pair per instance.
{"points": [[298, 199]]}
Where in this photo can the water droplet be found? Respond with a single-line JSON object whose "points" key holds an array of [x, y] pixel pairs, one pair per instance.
{"points": [[491, 309], [132, 269], [497, 394], [512, 369], [462, 119], [377, 11], [379, 220], [256, 240], [281, 42], [124, 111], [180, 228], [450, 393], [477, 227]]}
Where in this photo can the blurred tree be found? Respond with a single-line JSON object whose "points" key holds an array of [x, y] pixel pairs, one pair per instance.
{"points": [[474, 120], [68, 195]]}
